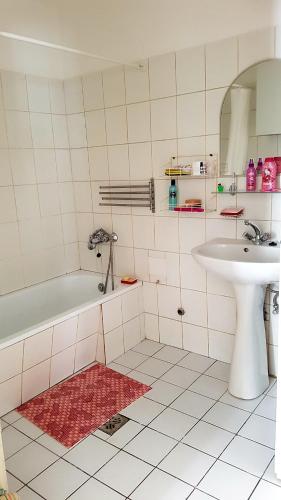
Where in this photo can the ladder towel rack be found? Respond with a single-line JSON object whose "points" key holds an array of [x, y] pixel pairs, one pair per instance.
{"points": [[128, 190]]}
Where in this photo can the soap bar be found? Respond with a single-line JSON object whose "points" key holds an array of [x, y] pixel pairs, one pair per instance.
{"points": [[127, 280], [232, 211]]}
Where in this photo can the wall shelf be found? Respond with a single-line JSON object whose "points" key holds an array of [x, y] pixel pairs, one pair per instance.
{"points": [[245, 192]]}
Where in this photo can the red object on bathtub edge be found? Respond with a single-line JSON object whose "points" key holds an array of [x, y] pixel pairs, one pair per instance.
{"points": [[78, 406]]}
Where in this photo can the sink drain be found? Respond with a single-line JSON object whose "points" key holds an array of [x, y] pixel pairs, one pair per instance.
{"points": [[114, 424]]}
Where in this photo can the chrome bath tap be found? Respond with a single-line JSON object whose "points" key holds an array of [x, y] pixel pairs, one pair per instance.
{"points": [[259, 237]]}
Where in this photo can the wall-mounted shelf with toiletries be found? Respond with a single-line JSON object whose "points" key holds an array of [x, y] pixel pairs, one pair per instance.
{"points": [[246, 192]]}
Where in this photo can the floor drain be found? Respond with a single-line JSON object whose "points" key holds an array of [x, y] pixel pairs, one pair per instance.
{"points": [[114, 424]]}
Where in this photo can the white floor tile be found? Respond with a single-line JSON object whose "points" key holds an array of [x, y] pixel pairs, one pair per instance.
{"points": [[148, 347], [173, 423], [11, 417], [267, 491], [150, 446], [91, 454], [164, 393], [28, 494], [93, 489], [170, 354], [226, 417], [273, 391], [187, 464], [58, 481], [161, 486], [130, 359], [125, 434], [52, 445], [199, 495], [28, 428], [124, 473], [180, 376], [154, 367], [143, 410], [192, 404], [267, 408], [208, 438], [247, 455], [30, 461], [14, 483], [219, 370], [259, 429], [243, 404], [228, 483], [13, 441], [142, 377], [196, 362], [208, 386], [3, 424], [119, 368], [270, 475]]}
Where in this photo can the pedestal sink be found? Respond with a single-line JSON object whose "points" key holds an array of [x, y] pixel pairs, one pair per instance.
{"points": [[249, 268]]}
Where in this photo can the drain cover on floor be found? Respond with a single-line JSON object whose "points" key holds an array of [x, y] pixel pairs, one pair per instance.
{"points": [[114, 424]]}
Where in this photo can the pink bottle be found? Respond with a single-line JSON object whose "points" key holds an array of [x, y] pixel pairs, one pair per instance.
{"points": [[251, 177], [269, 173]]}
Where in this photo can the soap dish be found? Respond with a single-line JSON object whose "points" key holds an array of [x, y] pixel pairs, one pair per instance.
{"points": [[232, 212]]}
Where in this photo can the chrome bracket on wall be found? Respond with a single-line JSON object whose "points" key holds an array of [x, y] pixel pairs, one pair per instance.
{"points": [[135, 195]]}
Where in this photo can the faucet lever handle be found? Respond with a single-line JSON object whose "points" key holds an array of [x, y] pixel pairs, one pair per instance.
{"points": [[265, 237]]}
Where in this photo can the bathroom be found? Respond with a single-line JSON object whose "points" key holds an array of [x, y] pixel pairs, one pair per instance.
{"points": [[99, 101]]}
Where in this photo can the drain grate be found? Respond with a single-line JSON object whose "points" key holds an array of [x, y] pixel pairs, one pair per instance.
{"points": [[114, 424]]}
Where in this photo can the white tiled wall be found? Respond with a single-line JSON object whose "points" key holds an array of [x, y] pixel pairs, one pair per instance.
{"points": [[38, 230], [134, 122]]}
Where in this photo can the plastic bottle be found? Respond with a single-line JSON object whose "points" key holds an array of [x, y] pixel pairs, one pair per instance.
{"points": [[173, 195], [251, 177], [259, 166], [269, 173]]}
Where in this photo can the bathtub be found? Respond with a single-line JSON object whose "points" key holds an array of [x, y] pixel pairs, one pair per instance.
{"points": [[51, 330]]}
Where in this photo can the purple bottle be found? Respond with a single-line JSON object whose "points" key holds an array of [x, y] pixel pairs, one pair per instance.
{"points": [[251, 177]]}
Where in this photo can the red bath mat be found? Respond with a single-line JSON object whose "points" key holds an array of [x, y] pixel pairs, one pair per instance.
{"points": [[72, 409]]}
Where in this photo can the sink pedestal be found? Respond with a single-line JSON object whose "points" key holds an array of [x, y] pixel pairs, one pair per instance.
{"points": [[249, 370]]}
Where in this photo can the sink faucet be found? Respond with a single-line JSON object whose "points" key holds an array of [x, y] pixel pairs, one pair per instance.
{"points": [[259, 237]]}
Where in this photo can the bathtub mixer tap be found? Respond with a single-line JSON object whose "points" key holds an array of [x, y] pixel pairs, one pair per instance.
{"points": [[100, 236]]}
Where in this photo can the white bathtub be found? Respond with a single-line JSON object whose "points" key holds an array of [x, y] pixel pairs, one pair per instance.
{"points": [[54, 329], [24, 312]]}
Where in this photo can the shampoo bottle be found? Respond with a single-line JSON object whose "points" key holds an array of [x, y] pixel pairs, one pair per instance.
{"points": [[173, 195], [269, 173], [251, 177]]}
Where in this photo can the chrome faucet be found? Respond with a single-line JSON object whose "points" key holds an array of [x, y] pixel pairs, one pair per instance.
{"points": [[100, 236], [259, 237]]}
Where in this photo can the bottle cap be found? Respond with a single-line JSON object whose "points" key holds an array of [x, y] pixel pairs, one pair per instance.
{"points": [[173, 182]]}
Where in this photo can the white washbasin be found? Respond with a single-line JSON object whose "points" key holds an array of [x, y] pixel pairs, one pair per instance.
{"points": [[239, 261], [249, 268]]}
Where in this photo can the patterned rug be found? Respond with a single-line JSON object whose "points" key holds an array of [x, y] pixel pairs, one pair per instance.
{"points": [[76, 407]]}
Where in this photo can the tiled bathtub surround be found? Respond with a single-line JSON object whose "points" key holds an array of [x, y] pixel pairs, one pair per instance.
{"points": [[37, 210], [133, 122], [100, 333]]}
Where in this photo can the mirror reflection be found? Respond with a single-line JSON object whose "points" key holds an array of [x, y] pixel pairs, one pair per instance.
{"points": [[250, 124]]}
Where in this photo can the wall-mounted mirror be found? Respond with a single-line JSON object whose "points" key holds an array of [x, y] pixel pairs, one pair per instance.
{"points": [[250, 125]]}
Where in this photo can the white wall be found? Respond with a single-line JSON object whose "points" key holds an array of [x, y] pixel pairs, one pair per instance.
{"points": [[132, 123], [37, 213]]}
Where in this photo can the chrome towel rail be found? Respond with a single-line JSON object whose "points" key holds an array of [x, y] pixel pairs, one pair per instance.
{"points": [[138, 189]]}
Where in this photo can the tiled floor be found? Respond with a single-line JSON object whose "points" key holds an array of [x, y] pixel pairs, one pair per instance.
{"points": [[187, 438]]}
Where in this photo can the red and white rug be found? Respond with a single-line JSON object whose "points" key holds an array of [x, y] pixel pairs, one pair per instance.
{"points": [[76, 407]]}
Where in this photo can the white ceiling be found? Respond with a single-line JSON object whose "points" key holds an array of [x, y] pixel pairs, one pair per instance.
{"points": [[127, 30]]}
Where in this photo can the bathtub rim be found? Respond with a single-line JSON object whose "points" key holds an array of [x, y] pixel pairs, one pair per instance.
{"points": [[21, 335]]}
